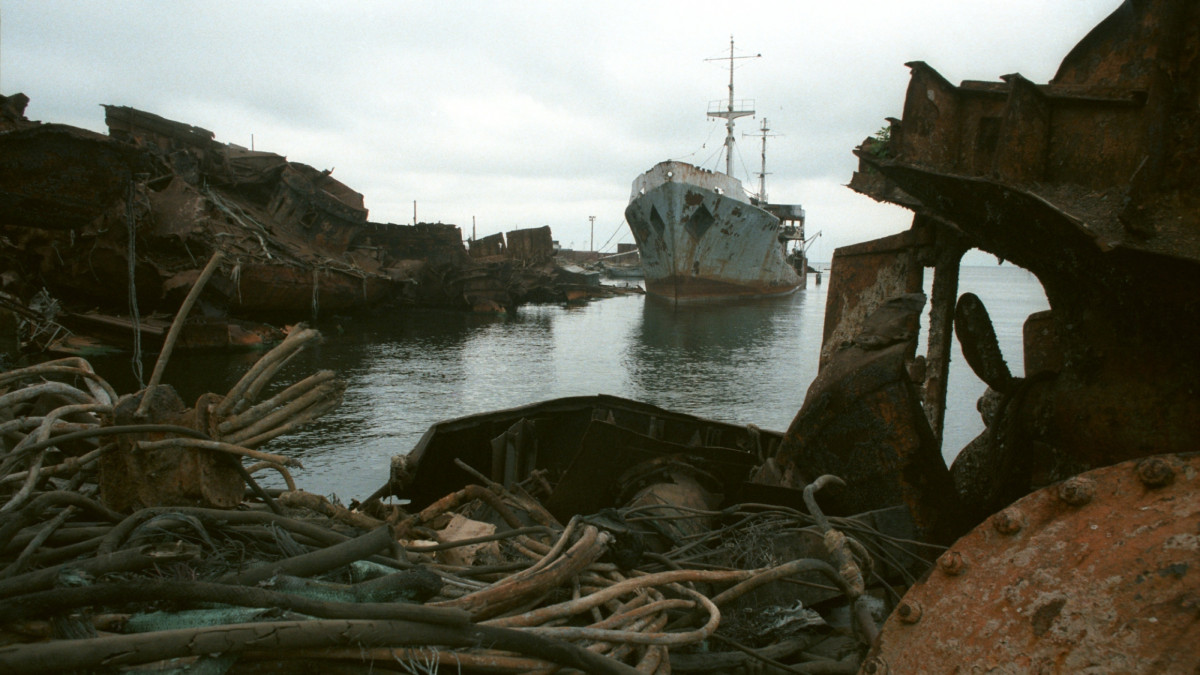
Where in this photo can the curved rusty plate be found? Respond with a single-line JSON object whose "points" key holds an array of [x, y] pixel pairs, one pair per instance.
{"points": [[1097, 574]]}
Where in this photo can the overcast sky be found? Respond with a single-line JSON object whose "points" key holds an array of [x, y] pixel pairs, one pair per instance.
{"points": [[522, 114]]}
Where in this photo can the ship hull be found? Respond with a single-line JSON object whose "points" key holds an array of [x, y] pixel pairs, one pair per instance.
{"points": [[700, 238]]}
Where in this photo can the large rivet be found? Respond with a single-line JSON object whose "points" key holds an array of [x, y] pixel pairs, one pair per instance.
{"points": [[909, 611], [1155, 472], [1008, 521], [875, 666], [952, 563], [1077, 491]]}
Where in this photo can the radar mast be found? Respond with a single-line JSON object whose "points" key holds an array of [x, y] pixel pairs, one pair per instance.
{"points": [[733, 108]]}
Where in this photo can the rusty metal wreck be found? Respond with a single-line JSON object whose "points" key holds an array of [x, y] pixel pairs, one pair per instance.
{"points": [[1090, 183], [611, 536], [124, 222]]}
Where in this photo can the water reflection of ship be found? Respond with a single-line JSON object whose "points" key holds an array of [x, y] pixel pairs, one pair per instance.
{"points": [[702, 359], [714, 330]]}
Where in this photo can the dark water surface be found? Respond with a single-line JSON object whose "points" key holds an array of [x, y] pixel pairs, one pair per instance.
{"points": [[746, 363]]}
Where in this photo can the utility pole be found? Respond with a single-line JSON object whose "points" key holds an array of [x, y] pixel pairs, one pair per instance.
{"points": [[414, 212], [593, 221]]}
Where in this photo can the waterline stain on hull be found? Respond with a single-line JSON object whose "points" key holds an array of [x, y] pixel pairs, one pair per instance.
{"points": [[696, 289]]}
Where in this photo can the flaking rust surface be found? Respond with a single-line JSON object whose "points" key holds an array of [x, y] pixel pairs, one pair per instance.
{"points": [[1098, 574]]}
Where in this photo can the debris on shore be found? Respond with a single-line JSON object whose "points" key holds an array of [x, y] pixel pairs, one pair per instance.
{"points": [[121, 225], [602, 535], [133, 527]]}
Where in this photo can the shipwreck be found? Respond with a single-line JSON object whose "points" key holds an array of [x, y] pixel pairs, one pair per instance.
{"points": [[1077, 487], [603, 535], [114, 229]]}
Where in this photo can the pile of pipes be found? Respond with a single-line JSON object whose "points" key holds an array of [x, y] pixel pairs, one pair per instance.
{"points": [[133, 532]]}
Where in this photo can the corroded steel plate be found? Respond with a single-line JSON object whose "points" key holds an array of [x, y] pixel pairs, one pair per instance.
{"points": [[1097, 574]]}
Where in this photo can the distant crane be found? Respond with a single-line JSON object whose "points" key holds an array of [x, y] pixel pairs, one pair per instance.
{"points": [[808, 242]]}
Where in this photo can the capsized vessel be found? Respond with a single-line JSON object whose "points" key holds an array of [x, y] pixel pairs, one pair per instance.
{"points": [[702, 237]]}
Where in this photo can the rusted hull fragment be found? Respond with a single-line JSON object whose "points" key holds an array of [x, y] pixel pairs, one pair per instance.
{"points": [[1089, 182], [89, 217], [595, 440], [862, 421], [1095, 574], [274, 289], [1118, 315], [868, 275], [59, 177]]}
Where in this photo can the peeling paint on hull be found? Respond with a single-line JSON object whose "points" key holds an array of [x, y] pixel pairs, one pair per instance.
{"points": [[700, 238]]}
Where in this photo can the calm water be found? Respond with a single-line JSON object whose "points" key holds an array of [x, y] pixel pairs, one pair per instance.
{"points": [[744, 363]]}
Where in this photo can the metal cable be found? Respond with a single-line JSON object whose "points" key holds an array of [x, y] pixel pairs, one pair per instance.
{"points": [[135, 318]]}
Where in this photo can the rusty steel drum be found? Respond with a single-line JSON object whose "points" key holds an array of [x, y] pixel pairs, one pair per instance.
{"points": [[1099, 574]]}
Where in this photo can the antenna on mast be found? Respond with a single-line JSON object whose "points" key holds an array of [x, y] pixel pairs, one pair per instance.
{"points": [[733, 109], [762, 175]]}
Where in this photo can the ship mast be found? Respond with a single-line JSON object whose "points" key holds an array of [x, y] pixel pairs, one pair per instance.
{"points": [[762, 175], [733, 109]]}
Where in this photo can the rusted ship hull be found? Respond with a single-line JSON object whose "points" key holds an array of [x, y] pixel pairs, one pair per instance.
{"points": [[200, 333], [589, 447], [701, 239], [42, 182], [284, 289]]}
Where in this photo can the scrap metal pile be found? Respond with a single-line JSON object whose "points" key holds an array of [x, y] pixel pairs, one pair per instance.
{"points": [[132, 533], [1081, 490], [124, 222]]}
